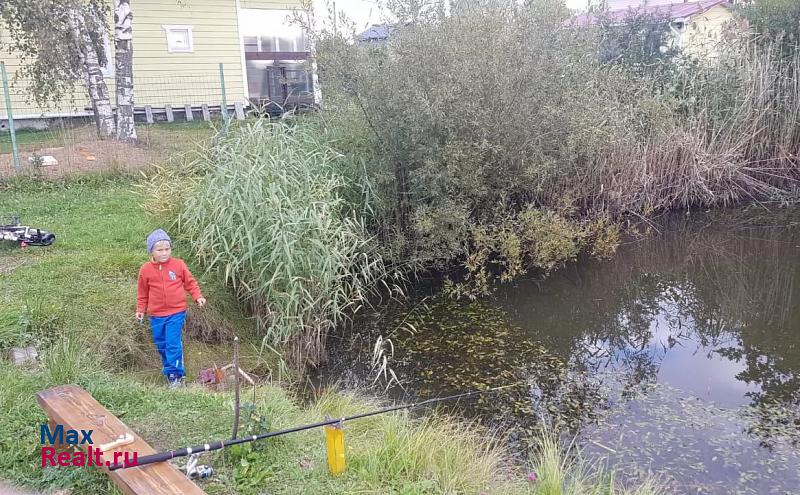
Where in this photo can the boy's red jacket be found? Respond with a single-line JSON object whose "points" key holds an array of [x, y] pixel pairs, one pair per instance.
{"points": [[162, 287]]}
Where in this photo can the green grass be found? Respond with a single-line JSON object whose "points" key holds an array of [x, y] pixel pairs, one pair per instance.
{"points": [[87, 279], [75, 299], [385, 454]]}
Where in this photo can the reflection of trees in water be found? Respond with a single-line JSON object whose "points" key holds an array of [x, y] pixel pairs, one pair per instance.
{"points": [[716, 290], [722, 290]]}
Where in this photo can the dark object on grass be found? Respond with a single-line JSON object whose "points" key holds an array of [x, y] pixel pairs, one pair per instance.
{"points": [[25, 235], [219, 444]]}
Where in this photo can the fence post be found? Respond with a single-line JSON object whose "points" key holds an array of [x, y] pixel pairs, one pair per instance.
{"points": [[14, 150], [224, 99]]}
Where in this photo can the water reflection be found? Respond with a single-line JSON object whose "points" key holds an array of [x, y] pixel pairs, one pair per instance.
{"points": [[680, 354], [708, 308]]}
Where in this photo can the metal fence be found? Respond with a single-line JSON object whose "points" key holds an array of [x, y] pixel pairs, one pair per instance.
{"points": [[25, 127]]}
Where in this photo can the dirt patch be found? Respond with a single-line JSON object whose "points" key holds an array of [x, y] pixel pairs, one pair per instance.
{"points": [[77, 149], [84, 156]]}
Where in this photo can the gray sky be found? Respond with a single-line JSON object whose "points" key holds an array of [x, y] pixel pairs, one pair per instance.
{"points": [[366, 12]]}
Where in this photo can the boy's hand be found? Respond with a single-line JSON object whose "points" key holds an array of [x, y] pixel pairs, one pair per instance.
{"points": [[201, 302], [140, 317]]}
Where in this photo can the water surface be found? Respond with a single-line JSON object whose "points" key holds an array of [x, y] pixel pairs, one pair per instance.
{"points": [[680, 356]]}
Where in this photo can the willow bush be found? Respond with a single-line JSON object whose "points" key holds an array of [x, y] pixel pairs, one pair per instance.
{"points": [[269, 211]]}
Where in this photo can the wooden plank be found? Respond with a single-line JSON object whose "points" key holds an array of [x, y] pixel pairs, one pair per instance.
{"points": [[148, 111], [239, 110], [187, 109], [206, 114], [170, 117], [73, 407]]}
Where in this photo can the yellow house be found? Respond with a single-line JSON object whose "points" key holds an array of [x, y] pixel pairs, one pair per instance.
{"points": [[177, 51], [696, 27]]}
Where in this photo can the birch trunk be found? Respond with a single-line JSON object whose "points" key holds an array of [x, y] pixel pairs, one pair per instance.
{"points": [[95, 84], [123, 42]]}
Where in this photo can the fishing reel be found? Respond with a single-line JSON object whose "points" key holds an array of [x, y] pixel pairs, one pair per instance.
{"points": [[25, 235], [195, 471]]}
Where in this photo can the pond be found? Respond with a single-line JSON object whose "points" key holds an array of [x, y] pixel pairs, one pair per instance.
{"points": [[679, 357]]}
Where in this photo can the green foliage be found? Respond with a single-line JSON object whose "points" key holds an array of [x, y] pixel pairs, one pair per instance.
{"points": [[44, 33], [642, 43], [775, 20], [461, 168], [68, 360], [252, 461], [37, 324], [562, 470], [270, 214]]}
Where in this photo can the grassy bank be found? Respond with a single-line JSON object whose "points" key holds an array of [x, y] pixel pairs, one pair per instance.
{"points": [[75, 301], [85, 284], [391, 454]]}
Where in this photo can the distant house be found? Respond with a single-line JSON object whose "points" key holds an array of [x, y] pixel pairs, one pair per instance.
{"points": [[177, 49], [375, 33], [695, 26]]}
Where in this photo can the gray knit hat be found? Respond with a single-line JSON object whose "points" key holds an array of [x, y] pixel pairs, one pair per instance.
{"points": [[156, 236]]}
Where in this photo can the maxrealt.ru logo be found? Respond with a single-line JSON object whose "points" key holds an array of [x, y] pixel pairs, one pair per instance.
{"points": [[92, 457]]}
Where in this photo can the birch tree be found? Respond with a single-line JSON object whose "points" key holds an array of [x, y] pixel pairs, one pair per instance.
{"points": [[84, 22], [123, 41], [60, 43]]}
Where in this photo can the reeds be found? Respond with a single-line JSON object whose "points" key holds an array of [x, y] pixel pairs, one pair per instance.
{"points": [[269, 213], [735, 138]]}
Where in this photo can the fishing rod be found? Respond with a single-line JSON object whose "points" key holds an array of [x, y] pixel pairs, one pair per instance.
{"points": [[219, 444]]}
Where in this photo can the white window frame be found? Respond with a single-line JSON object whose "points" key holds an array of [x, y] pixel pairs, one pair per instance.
{"points": [[179, 27]]}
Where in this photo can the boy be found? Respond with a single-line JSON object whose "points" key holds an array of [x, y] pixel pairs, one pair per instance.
{"points": [[161, 292]]}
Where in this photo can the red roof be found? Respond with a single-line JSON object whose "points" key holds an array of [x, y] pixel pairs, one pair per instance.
{"points": [[672, 11]]}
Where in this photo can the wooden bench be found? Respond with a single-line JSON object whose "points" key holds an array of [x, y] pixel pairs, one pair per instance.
{"points": [[74, 408]]}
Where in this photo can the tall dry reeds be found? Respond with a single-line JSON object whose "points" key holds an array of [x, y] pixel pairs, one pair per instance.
{"points": [[735, 138]]}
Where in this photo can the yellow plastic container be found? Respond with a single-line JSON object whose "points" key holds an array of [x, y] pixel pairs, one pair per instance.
{"points": [[334, 440]]}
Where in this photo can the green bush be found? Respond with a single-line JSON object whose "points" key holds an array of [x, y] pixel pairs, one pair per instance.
{"points": [[775, 20]]}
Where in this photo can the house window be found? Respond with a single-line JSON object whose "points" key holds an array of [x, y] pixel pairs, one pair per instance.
{"points": [[272, 30], [179, 39]]}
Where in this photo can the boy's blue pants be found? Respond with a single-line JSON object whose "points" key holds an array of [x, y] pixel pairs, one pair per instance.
{"points": [[167, 332]]}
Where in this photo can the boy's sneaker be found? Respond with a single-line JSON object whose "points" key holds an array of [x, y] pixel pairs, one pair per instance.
{"points": [[175, 381]]}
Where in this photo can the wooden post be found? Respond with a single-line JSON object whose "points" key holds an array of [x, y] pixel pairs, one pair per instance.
{"points": [[224, 106], [239, 110], [237, 383], [170, 117], [188, 111], [148, 112], [206, 114]]}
